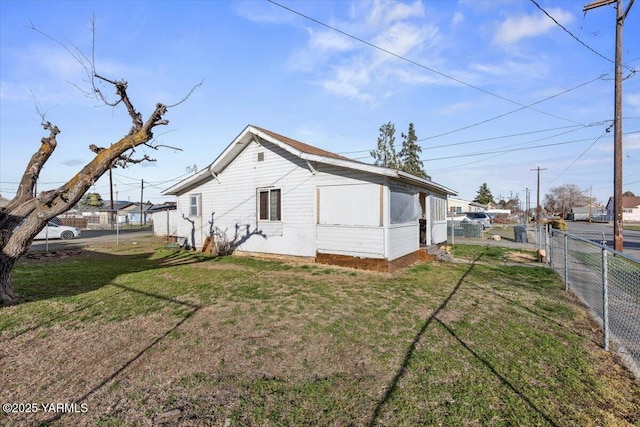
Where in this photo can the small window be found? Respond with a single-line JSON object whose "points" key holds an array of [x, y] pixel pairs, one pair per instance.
{"points": [[270, 205], [194, 205], [261, 157]]}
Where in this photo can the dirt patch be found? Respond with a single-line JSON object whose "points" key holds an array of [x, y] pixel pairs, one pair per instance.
{"points": [[521, 257], [64, 253]]}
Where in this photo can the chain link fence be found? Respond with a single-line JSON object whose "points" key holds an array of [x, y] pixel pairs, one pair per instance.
{"points": [[606, 281]]}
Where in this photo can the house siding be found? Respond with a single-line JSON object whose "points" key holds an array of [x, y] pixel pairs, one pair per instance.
{"points": [[403, 239], [364, 242], [233, 198], [326, 209]]}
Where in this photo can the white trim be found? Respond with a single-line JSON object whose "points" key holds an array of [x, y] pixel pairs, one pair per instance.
{"points": [[251, 134]]}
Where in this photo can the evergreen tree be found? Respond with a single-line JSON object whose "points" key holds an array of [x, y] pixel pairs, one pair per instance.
{"points": [[90, 200], [385, 155], [484, 195], [409, 157]]}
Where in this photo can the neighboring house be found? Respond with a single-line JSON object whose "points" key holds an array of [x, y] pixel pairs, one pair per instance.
{"points": [[165, 219], [460, 206], [106, 213], [274, 195], [137, 215], [630, 208], [580, 213]]}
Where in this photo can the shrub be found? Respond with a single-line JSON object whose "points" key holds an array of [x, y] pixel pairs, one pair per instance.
{"points": [[559, 224]]}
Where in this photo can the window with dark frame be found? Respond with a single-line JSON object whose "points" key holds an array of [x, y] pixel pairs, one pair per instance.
{"points": [[270, 205]]}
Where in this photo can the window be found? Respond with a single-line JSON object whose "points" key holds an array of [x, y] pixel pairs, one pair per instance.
{"points": [[270, 205], [439, 209], [405, 207], [261, 156], [194, 205]]}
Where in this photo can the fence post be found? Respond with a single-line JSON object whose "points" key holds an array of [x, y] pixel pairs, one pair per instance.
{"points": [[605, 298], [453, 232], [551, 251], [566, 263]]}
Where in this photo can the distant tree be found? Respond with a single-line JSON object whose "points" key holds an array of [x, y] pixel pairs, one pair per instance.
{"points": [[484, 195], [385, 154], [409, 157], [628, 194], [90, 200], [564, 197]]}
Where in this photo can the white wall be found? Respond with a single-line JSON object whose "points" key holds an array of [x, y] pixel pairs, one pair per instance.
{"points": [[325, 208], [163, 220], [403, 239]]}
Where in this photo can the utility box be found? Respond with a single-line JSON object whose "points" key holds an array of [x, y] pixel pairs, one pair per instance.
{"points": [[520, 232]]}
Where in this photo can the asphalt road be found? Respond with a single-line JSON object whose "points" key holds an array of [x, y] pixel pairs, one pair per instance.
{"points": [[91, 238], [631, 237]]}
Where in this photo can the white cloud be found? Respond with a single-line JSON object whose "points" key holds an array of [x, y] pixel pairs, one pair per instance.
{"points": [[330, 41], [349, 82], [403, 38], [514, 29], [633, 101], [383, 13], [458, 18], [349, 68]]}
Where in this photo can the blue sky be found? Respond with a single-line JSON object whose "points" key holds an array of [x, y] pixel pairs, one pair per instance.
{"points": [[494, 88]]}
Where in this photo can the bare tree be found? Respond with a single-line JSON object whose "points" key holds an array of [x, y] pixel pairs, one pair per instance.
{"points": [[28, 212], [562, 198]]}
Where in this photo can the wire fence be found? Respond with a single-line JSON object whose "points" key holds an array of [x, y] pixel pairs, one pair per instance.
{"points": [[606, 281]]}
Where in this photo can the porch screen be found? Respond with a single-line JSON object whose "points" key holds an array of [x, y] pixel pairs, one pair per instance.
{"points": [[354, 204], [405, 207]]}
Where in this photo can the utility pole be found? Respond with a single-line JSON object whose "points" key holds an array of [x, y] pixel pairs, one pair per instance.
{"points": [[590, 203], [111, 214], [538, 208], [618, 240], [141, 199], [526, 204]]}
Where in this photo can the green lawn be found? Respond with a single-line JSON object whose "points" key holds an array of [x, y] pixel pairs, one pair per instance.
{"points": [[152, 336]]}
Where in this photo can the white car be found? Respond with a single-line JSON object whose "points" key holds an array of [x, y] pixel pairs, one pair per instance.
{"points": [[56, 231]]}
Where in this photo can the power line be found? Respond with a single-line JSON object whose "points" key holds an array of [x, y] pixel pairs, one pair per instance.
{"points": [[493, 138], [579, 157], [576, 38], [433, 70], [600, 77]]}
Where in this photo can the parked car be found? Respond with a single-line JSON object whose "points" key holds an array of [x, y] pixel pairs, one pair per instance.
{"points": [[57, 231], [478, 218]]}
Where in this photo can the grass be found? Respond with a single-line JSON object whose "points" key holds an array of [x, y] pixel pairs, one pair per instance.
{"points": [[152, 336], [495, 254]]}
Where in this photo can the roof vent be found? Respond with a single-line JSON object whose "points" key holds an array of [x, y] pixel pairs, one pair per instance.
{"points": [[261, 157]]}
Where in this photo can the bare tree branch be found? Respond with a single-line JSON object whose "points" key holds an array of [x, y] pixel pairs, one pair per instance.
{"points": [[193, 89]]}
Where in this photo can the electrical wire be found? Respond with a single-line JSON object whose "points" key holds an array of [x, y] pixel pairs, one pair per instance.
{"points": [[579, 157], [576, 38], [410, 61]]}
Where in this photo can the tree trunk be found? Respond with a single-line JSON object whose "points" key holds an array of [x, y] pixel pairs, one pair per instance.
{"points": [[7, 296]]}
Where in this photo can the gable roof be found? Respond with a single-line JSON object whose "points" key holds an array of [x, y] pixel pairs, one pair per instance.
{"points": [[301, 146], [628, 202], [301, 150]]}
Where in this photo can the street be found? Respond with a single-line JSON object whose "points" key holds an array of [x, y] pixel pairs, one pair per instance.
{"points": [[93, 238], [631, 237]]}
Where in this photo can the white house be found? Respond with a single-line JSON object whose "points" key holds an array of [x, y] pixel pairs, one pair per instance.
{"points": [[275, 195], [630, 208], [459, 206]]}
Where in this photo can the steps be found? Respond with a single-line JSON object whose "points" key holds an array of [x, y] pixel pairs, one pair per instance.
{"points": [[440, 253]]}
